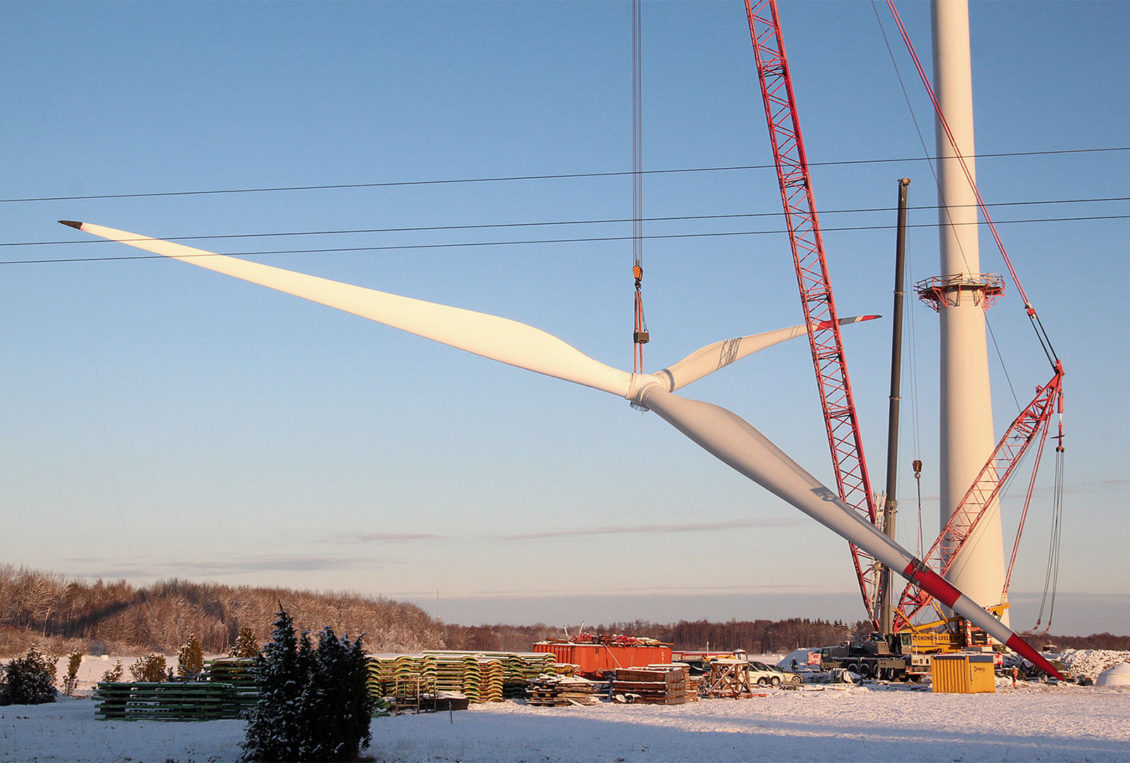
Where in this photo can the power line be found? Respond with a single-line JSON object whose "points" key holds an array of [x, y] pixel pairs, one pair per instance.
{"points": [[535, 242], [559, 176], [549, 223]]}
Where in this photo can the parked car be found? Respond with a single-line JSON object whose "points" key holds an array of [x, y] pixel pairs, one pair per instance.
{"points": [[770, 675]]}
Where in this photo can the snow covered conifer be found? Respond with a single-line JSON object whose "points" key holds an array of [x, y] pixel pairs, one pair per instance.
{"points": [[274, 729], [245, 644], [28, 680], [114, 674], [150, 668], [313, 705], [190, 659], [74, 662], [336, 702]]}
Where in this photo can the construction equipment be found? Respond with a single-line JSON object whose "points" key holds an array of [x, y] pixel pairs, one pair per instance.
{"points": [[840, 420], [1030, 426]]}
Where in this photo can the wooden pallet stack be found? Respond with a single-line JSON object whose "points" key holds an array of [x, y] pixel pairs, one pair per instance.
{"points": [[690, 682], [549, 690], [171, 701], [665, 685]]}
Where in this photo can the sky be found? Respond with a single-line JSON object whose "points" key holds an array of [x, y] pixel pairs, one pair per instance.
{"points": [[163, 421]]}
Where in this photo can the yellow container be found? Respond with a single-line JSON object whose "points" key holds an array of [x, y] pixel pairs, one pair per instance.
{"points": [[963, 673]]}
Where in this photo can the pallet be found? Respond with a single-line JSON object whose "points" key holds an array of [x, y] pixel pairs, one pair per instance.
{"points": [[173, 701]]}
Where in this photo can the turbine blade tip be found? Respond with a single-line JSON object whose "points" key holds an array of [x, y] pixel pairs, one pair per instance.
{"points": [[72, 224]]}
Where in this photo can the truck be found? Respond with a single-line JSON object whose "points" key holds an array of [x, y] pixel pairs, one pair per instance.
{"points": [[908, 654], [878, 657]]}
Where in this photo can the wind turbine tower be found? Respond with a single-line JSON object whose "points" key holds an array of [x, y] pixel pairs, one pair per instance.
{"points": [[962, 294]]}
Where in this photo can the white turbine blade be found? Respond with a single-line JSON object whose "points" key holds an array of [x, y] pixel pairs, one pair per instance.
{"points": [[489, 336], [721, 354], [737, 443]]}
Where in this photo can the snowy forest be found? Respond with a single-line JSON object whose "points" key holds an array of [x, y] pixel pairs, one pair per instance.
{"points": [[103, 617]]}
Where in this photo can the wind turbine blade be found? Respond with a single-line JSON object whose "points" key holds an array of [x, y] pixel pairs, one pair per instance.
{"points": [[489, 336], [737, 443], [716, 356]]}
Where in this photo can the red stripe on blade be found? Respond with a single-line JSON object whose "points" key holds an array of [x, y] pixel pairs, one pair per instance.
{"points": [[1021, 647], [932, 582]]}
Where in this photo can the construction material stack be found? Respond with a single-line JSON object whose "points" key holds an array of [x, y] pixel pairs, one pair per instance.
{"points": [[596, 656], [660, 685], [561, 691]]}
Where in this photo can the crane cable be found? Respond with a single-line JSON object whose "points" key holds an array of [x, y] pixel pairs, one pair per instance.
{"points": [[640, 334], [1037, 325], [1051, 576]]}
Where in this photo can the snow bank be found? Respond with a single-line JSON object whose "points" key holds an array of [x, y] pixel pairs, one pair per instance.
{"points": [[1090, 662], [1032, 722]]}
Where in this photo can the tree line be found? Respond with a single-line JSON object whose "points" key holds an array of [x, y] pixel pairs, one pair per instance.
{"points": [[101, 617], [754, 636], [104, 617]]}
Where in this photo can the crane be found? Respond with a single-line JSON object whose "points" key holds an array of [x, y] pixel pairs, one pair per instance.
{"points": [[1032, 424], [840, 419]]}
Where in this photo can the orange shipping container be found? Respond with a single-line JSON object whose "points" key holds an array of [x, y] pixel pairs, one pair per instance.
{"points": [[598, 659]]}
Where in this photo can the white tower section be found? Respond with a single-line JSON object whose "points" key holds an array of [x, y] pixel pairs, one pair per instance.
{"points": [[962, 293]]}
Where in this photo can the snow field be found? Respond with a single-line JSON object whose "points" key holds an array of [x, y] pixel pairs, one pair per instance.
{"points": [[1033, 722]]}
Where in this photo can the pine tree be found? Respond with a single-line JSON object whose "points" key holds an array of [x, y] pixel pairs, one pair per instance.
{"points": [[313, 705], [190, 659], [29, 680], [336, 704], [245, 644], [150, 668], [74, 661], [274, 729], [114, 674]]}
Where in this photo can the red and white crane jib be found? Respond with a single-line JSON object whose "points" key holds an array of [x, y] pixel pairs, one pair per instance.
{"points": [[838, 404]]}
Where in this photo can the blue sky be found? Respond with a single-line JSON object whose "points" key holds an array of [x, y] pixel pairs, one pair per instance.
{"points": [[161, 421]]}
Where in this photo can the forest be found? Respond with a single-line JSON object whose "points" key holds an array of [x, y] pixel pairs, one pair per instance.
{"points": [[115, 617]]}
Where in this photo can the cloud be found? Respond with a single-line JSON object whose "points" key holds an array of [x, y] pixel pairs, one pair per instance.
{"points": [[353, 538], [649, 591], [691, 527], [216, 567]]}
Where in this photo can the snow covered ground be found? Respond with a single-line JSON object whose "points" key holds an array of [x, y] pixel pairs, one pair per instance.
{"points": [[1032, 722], [877, 722]]}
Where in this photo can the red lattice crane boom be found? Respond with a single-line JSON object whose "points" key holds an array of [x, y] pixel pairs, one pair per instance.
{"points": [[840, 419]]}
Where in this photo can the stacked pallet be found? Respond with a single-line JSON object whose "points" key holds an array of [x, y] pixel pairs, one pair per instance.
{"points": [[690, 682], [450, 672], [236, 671], [491, 671], [663, 685], [549, 690], [386, 672], [472, 678], [517, 669], [172, 701], [478, 676]]}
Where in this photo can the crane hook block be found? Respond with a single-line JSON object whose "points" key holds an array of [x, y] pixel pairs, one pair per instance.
{"points": [[641, 337]]}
